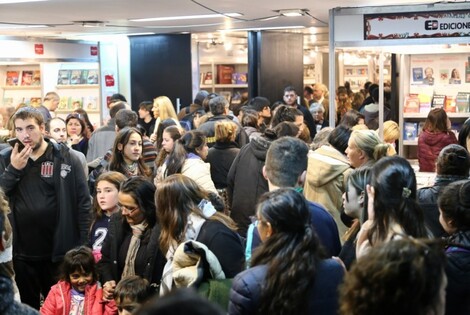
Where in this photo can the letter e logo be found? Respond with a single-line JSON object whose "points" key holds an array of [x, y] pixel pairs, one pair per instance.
{"points": [[430, 25]]}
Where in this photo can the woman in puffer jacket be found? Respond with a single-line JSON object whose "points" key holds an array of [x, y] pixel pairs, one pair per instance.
{"points": [[434, 137], [289, 274]]}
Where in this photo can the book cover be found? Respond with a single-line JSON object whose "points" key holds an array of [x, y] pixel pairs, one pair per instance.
{"points": [[26, 77], [84, 77], [63, 103], [224, 74], [420, 127], [239, 78], [208, 78], [417, 74], [92, 77], [76, 103], [12, 78], [35, 101], [438, 101], [36, 78], [76, 77], [449, 105], [462, 102], [411, 104], [444, 75], [424, 103], [410, 131], [456, 127], [467, 72], [63, 77], [91, 103]]}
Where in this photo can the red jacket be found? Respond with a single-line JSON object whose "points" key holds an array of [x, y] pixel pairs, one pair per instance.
{"points": [[58, 301], [429, 146]]}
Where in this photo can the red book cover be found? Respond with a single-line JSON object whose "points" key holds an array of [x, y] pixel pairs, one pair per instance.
{"points": [[224, 74], [12, 78]]}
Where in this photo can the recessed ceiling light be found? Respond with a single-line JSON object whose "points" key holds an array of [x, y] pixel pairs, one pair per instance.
{"points": [[291, 12], [186, 17]]}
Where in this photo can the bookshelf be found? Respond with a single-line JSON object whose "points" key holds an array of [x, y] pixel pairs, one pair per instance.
{"points": [[437, 92]]}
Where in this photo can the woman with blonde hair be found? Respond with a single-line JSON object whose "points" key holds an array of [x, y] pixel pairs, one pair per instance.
{"points": [[365, 147], [162, 109], [391, 132]]}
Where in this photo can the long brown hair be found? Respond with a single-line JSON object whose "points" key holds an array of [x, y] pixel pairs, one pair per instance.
{"points": [[114, 178], [178, 196], [436, 121], [117, 160]]}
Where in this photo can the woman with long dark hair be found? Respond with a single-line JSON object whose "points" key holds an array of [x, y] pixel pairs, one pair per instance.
{"points": [[187, 158], [185, 213], [131, 245], [127, 154], [289, 274], [393, 209]]}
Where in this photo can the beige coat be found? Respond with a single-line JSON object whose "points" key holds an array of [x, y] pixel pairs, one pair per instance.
{"points": [[325, 183]]}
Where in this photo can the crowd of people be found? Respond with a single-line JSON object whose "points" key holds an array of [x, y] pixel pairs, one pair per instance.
{"points": [[258, 208]]}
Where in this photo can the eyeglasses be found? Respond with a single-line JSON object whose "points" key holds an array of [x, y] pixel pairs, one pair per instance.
{"points": [[129, 210]]}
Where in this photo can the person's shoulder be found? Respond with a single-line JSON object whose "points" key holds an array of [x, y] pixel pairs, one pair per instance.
{"points": [[318, 212], [252, 275]]}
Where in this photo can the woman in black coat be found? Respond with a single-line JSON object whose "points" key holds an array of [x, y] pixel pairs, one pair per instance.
{"points": [[131, 245]]}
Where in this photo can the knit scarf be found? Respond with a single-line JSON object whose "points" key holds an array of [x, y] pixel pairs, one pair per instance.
{"points": [[137, 232], [191, 232]]}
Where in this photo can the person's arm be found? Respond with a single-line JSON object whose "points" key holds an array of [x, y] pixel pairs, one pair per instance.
{"points": [[12, 173], [83, 199], [231, 178], [50, 305], [241, 300]]}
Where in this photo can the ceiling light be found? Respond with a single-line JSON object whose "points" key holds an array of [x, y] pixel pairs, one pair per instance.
{"points": [[262, 28], [292, 12], [186, 17], [15, 26], [18, 1]]}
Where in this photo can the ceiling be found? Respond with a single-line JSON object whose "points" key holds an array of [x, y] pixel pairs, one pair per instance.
{"points": [[64, 18]]}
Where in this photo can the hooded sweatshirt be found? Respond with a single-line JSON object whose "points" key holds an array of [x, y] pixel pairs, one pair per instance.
{"points": [[327, 172], [430, 145]]}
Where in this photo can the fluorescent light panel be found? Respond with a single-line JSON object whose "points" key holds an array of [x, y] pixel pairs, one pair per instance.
{"points": [[18, 1], [186, 17], [17, 26], [262, 28]]}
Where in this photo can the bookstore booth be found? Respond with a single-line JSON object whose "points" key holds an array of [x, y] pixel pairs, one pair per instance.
{"points": [[432, 54]]}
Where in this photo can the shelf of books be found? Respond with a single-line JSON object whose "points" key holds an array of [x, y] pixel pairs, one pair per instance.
{"points": [[217, 77], [20, 84], [434, 82], [357, 75]]}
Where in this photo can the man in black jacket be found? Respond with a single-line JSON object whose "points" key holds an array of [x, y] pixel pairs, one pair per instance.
{"points": [[290, 98], [219, 107], [49, 203]]}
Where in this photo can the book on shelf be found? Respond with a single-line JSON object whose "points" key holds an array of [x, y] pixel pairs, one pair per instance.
{"points": [[90, 103], [227, 95], [455, 127], [239, 78], [417, 74], [411, 104], [420, 127], [26, 77], [424, 103], [444, 75], [84, 77], [467, 71], [208, 78], [449, 105], [75, 103], [12, 78], [438, 101], [36, 78], [462, 102], [224, 74], [92, 77], [75, 77], [410, 131], [63, 103], [35, 101], [63, 77]]}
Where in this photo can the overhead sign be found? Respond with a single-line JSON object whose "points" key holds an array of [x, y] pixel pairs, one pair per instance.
{"points": [[437, 24]]}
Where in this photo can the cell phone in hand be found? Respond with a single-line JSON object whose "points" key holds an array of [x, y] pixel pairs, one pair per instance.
{"points": [[12, 142]]}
